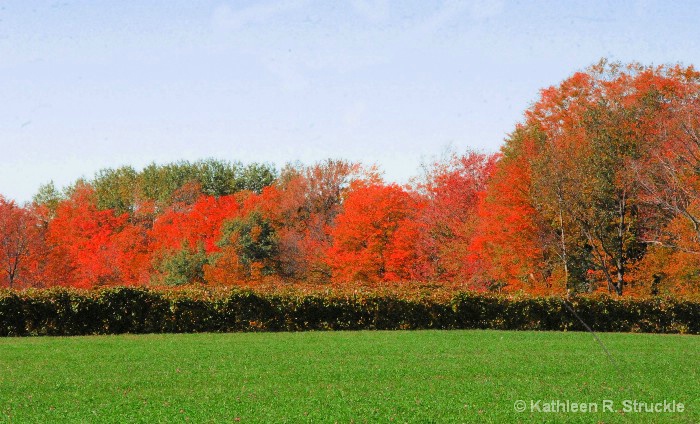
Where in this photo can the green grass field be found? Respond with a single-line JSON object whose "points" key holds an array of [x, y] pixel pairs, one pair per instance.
{"points": [[401, 376]]}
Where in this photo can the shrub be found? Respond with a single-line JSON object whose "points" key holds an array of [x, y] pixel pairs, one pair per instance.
{"points": [[60, 311]]}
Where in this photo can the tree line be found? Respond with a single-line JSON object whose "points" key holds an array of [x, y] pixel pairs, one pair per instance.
{"points": [[597, 189]]}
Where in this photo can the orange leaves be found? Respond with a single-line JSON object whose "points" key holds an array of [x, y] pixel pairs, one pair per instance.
{"points": [[199, 222], [374, 235], [589, 178], [505, 243], [226, 271], [597, 188], [81, 235], [448, 221], [20, 240]]}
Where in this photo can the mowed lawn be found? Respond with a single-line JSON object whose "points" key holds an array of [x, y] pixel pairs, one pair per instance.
{"points": [[366, 376]]}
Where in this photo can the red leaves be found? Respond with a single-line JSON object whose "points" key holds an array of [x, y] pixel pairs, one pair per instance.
{"points": [[453, 188], [81, 239], [199, 222], [598, 182], [20, 239], [374, 237], [505, 248]]}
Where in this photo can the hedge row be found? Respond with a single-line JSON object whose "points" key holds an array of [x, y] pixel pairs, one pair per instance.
{"points": [[140, 310]]}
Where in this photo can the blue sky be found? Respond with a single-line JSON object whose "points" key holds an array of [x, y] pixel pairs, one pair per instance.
{"points": [[88, 85]]}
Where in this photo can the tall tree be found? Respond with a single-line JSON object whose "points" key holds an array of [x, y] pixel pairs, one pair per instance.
{"points": [[249, 251], [365, 236], [116, 189], [81, 236], [452, 187], [19, 235], [507, 247], [303, 207], [584, 138]]}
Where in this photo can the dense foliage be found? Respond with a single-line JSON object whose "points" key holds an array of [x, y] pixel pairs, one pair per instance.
{"points": [[597, 189], [61, 311]]}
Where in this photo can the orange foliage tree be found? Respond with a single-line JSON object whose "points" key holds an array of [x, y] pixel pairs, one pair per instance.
{"points": [[20, 242], [597, 189], [374, 235], [506, 246], [81, 239], [569, 190], [447, 224]]}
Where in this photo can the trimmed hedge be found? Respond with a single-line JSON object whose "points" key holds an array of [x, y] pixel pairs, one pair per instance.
{"points": [[67, 312]]}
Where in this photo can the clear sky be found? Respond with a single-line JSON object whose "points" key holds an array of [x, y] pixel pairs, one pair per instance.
{"points": [[91, 84]]}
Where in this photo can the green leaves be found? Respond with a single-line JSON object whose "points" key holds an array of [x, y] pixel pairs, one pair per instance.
{"points": [[254, 241], [122, 189], [184, 266], [61, 311]]}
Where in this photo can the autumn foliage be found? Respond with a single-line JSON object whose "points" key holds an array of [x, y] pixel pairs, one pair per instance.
{"points": [[597, 189]]}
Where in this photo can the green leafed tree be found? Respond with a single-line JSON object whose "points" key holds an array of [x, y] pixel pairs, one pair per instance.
{"points": [[116, 189], [48, 197], [253, 241], [183, 266]]}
